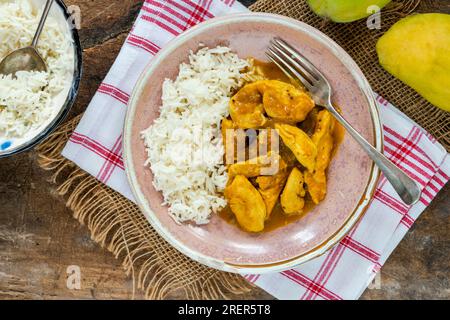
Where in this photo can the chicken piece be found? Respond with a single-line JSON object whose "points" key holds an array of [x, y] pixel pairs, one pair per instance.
{"points": [[324, 127], [287, 155], [317, 185], [299, 143], [270, 187], [323, 139], [284, 102], [293, 197], [309, 125], [280, 100], [246, 203], [246, 107], [263, 165]]}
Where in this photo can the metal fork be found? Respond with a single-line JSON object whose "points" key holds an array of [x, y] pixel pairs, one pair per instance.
{"points": [[296, 66]]}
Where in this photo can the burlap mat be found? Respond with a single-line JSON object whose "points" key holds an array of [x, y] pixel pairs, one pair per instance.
{"points": [[117, 224]]}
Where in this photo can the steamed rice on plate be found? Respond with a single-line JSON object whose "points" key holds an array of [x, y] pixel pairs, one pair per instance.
{"points": [[29, 102], [219, 105], [184, 145]]}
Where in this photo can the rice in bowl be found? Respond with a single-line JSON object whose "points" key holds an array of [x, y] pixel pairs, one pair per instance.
{"points": [[31, 101]]}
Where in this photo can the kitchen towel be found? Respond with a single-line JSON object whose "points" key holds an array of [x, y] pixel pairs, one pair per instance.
{"points": [[344, 271]]}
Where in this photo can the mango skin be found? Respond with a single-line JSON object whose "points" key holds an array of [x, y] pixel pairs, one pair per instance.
{"points": [[344, 10], [416, 50]]}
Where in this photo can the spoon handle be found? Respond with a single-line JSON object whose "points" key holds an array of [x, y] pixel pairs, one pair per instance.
{"points": [[47, 7]]}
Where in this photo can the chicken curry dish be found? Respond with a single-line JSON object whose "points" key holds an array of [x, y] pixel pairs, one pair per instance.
{"points": [[278, 146]]}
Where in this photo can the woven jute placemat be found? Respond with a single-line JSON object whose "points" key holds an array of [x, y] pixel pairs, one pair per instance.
{"points": [[118, 225]]}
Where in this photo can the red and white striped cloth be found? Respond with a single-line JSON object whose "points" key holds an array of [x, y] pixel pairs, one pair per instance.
{"points": [[346, 270]]}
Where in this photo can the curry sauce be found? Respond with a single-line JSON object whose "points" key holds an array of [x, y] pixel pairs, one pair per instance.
{"points": [[277, 216], [270, 71]]}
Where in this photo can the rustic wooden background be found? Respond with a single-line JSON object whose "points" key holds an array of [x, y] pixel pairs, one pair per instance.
{"points": [[39, 239]]}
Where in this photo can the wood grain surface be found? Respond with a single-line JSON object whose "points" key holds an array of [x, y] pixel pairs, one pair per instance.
{"points": [[39, 239]]}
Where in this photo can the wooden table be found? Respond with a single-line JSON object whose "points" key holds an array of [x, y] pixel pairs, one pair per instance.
{"points": [[39, 239]]}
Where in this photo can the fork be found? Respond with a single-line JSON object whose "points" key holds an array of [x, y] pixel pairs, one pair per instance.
{"points": [[297, 67]]}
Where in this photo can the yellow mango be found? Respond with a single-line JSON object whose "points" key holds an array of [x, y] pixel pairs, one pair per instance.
{"points": [[416, 50], [345, 10]]}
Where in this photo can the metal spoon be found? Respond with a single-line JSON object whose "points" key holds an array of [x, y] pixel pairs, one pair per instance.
{"points": [[28, 58]]}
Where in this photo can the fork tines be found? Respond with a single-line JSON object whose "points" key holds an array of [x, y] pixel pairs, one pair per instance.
{"points": [[293, 63]]}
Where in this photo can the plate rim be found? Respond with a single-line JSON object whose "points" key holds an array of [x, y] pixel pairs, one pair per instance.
{"points": [[248, 268]]}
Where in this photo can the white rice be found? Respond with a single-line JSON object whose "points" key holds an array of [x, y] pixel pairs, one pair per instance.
{"points": [[184, 145], [26, 102]]}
